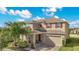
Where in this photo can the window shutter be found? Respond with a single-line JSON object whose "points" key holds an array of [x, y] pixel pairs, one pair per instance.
{"points": [[50, 25], [61, 25]]}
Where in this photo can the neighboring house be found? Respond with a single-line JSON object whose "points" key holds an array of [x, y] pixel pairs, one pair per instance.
{"points": [[52, 32], [74, 31]]}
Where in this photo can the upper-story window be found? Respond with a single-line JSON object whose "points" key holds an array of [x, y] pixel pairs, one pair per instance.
{"points": [[58, 25], [39, 25], [48, 25]]}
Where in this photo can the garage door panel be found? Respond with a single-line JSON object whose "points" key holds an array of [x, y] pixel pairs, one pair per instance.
{"points": [[52, 40]]}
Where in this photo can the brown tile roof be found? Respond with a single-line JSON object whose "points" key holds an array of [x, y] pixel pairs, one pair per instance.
{"points": [[50, 20]]}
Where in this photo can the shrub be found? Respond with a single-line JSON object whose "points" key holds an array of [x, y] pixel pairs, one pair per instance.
{"points": [[22, 44], [3, 44], [68, 41]]}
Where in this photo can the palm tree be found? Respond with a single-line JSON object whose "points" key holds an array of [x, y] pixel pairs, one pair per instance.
{"points": [[16, 29], [12, 31]]}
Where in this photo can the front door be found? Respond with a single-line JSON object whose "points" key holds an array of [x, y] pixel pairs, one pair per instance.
{"points": [[38, 40], [39, 37]]}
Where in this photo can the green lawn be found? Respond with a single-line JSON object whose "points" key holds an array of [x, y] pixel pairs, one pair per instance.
{"points": [[72, 44]]}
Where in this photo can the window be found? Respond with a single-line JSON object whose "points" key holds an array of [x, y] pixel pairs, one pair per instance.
{"points": [[48, 25], [40, 25], [58, 25]]}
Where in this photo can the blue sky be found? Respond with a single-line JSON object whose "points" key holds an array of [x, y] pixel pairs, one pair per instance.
{"points": [[70, 14]]}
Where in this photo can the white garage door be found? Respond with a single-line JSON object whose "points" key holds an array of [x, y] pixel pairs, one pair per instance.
{"points": [[53, 40]]}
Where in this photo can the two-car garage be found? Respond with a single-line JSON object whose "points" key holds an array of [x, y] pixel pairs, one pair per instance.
{"points": [[53, 40]]}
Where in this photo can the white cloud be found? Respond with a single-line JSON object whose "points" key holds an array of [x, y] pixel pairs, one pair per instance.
{"points": [[20, 20], [50, 11], [17, 12], [64, 19], [56, 16], [38, 18], [74, 24], [50, 14], [25, 14], [11, 11], [60, 18], [3, 10]]}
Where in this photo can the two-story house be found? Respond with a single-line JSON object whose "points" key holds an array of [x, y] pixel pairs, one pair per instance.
{"points": [[52, 32]]}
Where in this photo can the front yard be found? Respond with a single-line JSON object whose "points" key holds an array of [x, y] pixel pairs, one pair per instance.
{"points": [[72, 44]]}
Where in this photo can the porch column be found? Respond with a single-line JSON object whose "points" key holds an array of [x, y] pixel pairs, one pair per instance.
{"points": [[34, 41], [27, 39]]}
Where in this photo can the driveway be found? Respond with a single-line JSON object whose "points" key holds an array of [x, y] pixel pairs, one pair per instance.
{"points": [[43, 47]]}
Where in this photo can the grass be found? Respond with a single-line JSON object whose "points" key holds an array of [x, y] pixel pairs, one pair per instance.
{"points": [[72, 44]]}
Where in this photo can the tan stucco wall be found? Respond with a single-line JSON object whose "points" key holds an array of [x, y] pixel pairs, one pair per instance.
{"points": [[56, 40], [65, 28], [52, 41]]}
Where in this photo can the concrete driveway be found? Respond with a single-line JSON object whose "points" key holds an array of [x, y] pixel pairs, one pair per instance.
{"points": [[43, 47]]}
